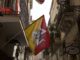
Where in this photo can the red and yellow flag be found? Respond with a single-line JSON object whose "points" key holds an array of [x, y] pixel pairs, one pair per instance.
{"points": [[38, 36]]}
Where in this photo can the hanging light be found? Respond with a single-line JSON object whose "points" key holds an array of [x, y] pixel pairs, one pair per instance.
{"points": [[40, 1]]}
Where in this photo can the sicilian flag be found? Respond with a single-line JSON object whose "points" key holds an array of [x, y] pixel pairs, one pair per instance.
{"points": [[37, 35]]}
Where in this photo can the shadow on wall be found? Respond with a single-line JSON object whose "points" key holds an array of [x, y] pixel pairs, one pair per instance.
{"points": [[3, 56]]}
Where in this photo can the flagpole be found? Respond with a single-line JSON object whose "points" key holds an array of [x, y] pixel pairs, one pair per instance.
{"points": [[24, 32]]}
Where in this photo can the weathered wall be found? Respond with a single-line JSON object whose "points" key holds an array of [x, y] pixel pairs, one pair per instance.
{"points": [[2, 35], [54, 11], [75, 2]]}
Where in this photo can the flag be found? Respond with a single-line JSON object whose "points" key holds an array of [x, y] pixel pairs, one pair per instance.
{"points": [[38, 36], [40, 1]]}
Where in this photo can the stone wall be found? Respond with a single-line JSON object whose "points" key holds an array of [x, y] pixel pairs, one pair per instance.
{"points": [[75, 2]]}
